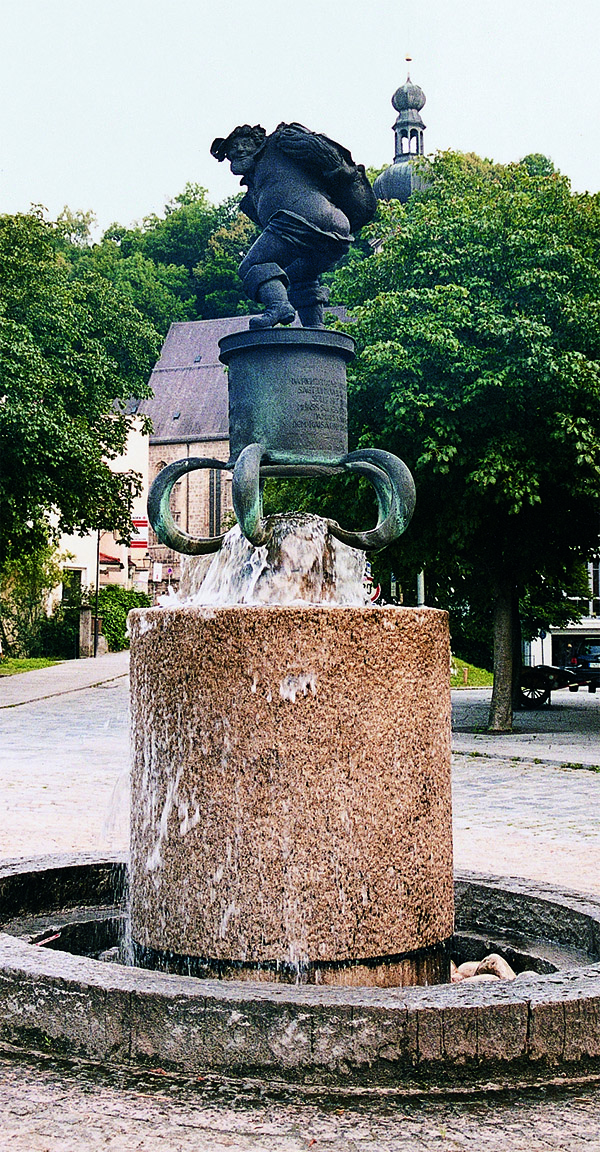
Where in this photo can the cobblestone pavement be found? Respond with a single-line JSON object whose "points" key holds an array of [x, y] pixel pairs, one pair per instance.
{"points": [[528, 804], [568, 731], [519, 809], [51, 1109], [528, 819], [64, 767]]}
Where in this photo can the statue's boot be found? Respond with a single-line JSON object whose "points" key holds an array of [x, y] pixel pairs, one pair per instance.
{"points": [[267, 284], [309, 298], [278, 309]]}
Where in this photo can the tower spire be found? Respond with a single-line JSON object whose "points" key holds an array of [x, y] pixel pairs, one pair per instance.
{"points": [[400, 179]]}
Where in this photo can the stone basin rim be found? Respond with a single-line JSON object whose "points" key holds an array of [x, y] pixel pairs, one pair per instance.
{"points": [[537, 1029], [117, 975], [370, 611]]}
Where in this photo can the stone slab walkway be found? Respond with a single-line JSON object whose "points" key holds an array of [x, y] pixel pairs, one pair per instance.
{"points": [[566, 732], [64, 770], [528, 804], [60, 679], [520, 808]]}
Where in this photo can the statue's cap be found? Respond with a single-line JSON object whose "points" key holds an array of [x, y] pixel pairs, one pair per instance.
{"points": [[220, 146]]}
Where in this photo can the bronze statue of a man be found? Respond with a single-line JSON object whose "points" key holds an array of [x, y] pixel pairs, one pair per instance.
{"points": [[308, 195]]}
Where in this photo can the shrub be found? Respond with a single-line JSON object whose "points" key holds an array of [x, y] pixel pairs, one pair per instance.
{"points": [[25, 585], [114, 605]]}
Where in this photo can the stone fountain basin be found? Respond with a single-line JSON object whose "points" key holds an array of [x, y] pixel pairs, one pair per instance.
{"points": [[541, 1027]]}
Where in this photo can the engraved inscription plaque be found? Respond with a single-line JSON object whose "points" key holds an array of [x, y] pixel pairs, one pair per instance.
{"points": [[288, 394]]}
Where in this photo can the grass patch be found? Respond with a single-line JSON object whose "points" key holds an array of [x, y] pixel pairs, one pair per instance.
{"points": [[581, 767], [11, 667], [463, 675]]}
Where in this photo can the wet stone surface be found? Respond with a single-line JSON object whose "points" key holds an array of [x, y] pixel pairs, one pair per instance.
{"points": [[276, 787]]}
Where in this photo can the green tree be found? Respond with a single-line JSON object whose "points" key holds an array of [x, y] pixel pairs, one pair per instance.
{"points": [[73, 230], [25, 585], [163, 293], [181, 233], [73, 354], [181, 265], [219, 290], [478, 330]]}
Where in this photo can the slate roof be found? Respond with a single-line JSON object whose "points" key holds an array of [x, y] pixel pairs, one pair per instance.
{"points": [[190, 384], [401, 179]]}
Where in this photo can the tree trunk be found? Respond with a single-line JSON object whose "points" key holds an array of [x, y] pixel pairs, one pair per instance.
{"points": [[517, 650], [500, 718], [6, 648]]}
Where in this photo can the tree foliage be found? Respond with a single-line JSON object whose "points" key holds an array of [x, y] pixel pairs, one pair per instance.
{"points": [[114, 605], [478, 330], [178, 266], [25, 585], [73, 353], [219, 290]]}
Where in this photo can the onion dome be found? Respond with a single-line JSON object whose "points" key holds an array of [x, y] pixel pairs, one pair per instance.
{"points": [[399, 181], [408, 96]]}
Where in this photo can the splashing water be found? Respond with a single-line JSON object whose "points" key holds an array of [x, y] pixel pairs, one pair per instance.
{"points": [[301, 564]]}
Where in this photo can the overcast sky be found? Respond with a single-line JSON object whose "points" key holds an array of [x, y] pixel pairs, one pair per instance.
{"points": [[111, 105]]}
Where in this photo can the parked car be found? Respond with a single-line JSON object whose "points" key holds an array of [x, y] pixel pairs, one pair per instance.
{"points": [[585, 665]]}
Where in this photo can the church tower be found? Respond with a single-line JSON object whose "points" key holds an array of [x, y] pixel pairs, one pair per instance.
{"points": [[403, 177]]}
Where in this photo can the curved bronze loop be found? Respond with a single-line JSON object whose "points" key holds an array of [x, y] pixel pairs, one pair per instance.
{"points": [[245, 493], [396, 497], [391, 479], [159, 510]]}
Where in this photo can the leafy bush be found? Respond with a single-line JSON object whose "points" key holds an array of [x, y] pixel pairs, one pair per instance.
{"points": [[114, 604], [25, 584], [59, 633]]}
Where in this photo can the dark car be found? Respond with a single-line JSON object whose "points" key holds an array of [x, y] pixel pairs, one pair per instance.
{"points": [[585, 665]]}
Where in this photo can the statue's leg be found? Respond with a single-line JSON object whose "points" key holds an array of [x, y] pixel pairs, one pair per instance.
{"points": [[266, 282], [309, 298], [306, 292]]}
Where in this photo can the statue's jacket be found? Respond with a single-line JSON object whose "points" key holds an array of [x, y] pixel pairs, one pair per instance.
{"points": [[304, 175]]}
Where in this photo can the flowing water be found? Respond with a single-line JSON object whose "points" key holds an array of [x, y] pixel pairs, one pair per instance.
{"points": [[302, 563]]}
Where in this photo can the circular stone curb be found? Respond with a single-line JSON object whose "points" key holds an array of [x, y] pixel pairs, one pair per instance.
{"points": [[532, 1029]]}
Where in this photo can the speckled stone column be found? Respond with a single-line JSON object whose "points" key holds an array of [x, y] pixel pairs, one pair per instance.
{"points": [[291, 791]]}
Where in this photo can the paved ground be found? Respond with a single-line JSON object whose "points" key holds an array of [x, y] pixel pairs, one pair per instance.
{"points": [[529, 804], [568, 731], [54, 1110], [70, 676], [523, 804], [64, 756]]}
